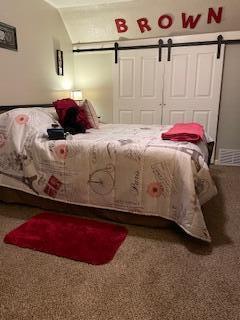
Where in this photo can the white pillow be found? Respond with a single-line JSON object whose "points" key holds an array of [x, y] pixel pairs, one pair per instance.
{"points": [[51, 111]]}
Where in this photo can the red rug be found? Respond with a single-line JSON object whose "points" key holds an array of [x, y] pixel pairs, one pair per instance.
{"points": [[76, 238]]}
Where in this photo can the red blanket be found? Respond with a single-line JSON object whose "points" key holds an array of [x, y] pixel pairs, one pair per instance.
{"points": [[191, 132]]}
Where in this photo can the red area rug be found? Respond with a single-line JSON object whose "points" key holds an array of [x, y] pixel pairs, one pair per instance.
{"points": [[76, 238]]}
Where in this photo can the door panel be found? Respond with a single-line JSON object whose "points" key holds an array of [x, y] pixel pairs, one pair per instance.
{"points": [[148, 77], [147, 117], [126, 84], [126, 116], [192, 84], [176, 116], [202, 117], [180, 65], [204, 74], [138, 86]]}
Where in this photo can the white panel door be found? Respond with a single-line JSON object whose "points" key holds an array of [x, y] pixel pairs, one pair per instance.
{"points": [[138, 87], [192, 85]]}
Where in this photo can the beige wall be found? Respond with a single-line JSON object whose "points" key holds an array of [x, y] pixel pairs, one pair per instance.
{"points": [[29, 74], [229, 116], [93, 74], [97, 23]]}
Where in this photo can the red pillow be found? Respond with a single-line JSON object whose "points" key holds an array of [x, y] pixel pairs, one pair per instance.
{"points": [[63, 105]]}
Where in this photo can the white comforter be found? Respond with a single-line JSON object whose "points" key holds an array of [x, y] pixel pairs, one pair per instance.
{"points": [[122, 167]]}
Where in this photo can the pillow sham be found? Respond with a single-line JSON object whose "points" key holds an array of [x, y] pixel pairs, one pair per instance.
{"points": [[83, 118], [91, 113], [52, 112]]}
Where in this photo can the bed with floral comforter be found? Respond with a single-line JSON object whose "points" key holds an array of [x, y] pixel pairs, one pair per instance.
{"points": [[121, 167]]}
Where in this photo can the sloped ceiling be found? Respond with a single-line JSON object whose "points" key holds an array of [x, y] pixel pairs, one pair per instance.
{"points": [[79, 3]]}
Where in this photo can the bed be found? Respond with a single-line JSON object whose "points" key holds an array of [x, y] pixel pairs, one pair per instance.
{"points": [[124, 168]]}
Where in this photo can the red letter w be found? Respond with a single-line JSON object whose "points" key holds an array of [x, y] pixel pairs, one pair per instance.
{"points": [[190, 21]]}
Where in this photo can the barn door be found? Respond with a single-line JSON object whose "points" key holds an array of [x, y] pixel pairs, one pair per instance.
{"points": [[192, 84], [138, 87]]}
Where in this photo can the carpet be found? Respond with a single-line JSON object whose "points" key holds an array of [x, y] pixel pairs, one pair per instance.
{"points": [[76, 238], [156, 274]]}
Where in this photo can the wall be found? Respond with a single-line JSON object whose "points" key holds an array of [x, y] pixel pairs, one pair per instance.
{"points": [[229, 116], [97, 23], [93, 74], [29, 74]]}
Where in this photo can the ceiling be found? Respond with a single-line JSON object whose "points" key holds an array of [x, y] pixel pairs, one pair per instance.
{"points": [[78, 3]]}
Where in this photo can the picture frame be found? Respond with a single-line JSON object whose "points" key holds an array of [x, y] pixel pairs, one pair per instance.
{"points": [[60, 70], [8, 37]]}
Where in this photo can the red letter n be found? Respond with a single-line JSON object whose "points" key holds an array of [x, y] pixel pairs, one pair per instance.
{"points": [[143, 24], [190, 21], [121, 25], [213, 15]]}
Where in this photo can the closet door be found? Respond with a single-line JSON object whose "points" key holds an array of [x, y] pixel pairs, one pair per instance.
{"points": [[138, 87], [192, 85]]}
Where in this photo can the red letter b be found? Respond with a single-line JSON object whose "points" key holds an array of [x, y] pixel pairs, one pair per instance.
{"points": [[121, 25]]}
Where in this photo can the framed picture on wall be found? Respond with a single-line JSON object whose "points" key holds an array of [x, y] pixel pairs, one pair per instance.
{"points": [[60, 62], [8, 37]]}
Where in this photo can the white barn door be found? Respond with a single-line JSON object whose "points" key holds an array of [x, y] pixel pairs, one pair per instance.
{"points": [[192, 86], [138, 87], [184, 89]]}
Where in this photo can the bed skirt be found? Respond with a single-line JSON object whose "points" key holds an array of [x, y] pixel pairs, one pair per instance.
{"points": [[9, 195]]}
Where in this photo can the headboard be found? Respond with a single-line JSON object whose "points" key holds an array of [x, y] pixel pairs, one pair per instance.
{"points": [[7, 108]]}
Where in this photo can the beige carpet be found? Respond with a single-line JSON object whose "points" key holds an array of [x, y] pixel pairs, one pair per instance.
{"points": [[156, 274]]}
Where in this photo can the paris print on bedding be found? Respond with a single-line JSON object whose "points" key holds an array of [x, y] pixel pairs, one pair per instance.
{"points": [[121, 167]]}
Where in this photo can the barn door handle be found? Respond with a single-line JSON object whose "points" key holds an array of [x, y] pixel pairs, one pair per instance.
{"points": [[169, 49], [220, 41], [160, 43], [116, 46]]}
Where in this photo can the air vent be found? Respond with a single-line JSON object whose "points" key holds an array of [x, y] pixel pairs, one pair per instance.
{"points": [[229, 157]]}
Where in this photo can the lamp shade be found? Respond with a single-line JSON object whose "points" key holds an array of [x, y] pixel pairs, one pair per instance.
{"points": [[76, 95]]}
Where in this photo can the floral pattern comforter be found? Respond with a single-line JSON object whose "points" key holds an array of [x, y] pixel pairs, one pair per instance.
{"points": [[121, 167]]}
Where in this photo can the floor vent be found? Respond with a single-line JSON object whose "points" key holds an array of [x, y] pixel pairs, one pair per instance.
{"points": [[229, 157]]}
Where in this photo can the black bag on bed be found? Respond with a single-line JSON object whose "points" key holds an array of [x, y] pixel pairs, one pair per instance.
{"points": [[56, 134], [71, 124]]}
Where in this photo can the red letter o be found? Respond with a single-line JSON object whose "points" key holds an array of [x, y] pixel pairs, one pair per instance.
{"points": [[163, 17]]}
